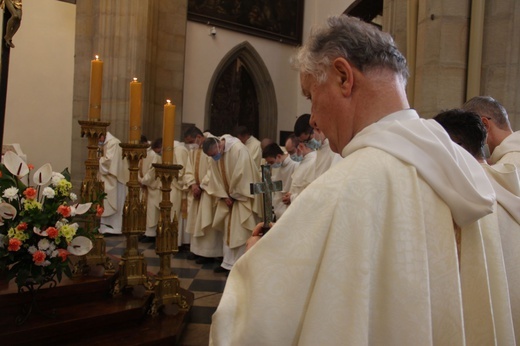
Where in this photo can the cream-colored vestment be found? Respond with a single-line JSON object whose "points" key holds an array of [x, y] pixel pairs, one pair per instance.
{"points": [[505, 181], [151, 191], [179, 192], [367, 254], [255, 149], [231, 176], [303, 175], [508, 151], [113, 172], [205, 240]]}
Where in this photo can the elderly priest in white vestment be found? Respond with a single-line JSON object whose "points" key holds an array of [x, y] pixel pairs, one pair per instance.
{"points": [[367, 254]]}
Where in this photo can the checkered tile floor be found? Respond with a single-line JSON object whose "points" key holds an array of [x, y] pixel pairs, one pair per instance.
{"points": [[200, 279]]}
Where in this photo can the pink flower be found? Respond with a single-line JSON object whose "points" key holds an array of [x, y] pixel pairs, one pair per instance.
{"points": [[64, 210], [14, 244], [39, 257], [52, 232], [31, 167], [63, 254], [30, 193]]}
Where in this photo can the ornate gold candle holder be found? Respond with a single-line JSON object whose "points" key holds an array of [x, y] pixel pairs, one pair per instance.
{"points": [[132, 268], [167, 283], [91, 189]]}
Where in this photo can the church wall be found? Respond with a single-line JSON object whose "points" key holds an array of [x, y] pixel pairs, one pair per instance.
{"points": [[39, 97], [204, 52]]}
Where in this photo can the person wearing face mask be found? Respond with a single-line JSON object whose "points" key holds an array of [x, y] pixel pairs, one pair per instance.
{"points": [[291, 145], [206, 241], [304, 174], [282, 169], [325, 157], [231, 172]]}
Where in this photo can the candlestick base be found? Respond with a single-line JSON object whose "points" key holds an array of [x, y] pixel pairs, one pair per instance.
{"points": [[132, 268], [167, 289], [93, 190]]}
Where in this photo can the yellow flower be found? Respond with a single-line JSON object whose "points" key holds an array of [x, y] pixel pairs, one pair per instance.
{"points": [[64, 187], [30, 204]]}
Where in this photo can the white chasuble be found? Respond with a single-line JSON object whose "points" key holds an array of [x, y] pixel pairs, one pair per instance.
{"points": [[360, 258], [151, 191], [231, 176], [505, 181], [367, 254], [205, 241], [508, 151]]}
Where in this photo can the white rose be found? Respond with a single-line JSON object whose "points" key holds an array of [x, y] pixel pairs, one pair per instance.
{"points": [[56, 177], [48, 192], [44, 244]]}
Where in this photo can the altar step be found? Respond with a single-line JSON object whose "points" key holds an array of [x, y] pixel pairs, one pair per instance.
{"points": [[84, 313]]}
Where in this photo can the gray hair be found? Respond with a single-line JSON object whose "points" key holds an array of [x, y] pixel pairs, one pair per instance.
{"points": [[362, 44], [488, 107]]}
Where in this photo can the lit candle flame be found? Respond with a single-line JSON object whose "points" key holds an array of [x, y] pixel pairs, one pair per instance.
{"points": [[97, 57], [168, 101], [135, 79]]}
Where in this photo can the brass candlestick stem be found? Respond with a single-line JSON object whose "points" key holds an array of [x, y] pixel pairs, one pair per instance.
{"points": [[91, 190], [167, 283], [132, 268]]}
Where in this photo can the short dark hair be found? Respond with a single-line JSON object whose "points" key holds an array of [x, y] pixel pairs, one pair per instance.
{"points": [[303, 125], [209, 143], [193, 131], [272, 150], [242, 131], [157, 144], [295, 140], [465, 128]]}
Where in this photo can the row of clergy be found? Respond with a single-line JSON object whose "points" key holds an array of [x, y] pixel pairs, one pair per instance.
{"points": [[211, 195]]}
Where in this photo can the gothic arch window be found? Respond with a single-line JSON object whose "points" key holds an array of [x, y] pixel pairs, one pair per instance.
{"points": [[241, 92]]}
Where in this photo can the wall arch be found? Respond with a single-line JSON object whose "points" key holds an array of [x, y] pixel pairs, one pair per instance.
{"points": [[267, 104]]}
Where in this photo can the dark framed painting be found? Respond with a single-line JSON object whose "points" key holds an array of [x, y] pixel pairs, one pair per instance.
{"points": [[279, 20]]}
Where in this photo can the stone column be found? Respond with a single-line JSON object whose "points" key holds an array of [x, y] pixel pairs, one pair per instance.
{"points": [[441, 60], [134, 38], [501, 56]]}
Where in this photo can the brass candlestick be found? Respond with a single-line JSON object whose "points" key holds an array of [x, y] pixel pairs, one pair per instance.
{"points": [[91, 190], [166, 284], [132, 268]]}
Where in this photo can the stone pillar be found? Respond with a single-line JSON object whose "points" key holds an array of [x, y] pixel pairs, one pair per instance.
{"points": [[134, 38], [501, 56]]}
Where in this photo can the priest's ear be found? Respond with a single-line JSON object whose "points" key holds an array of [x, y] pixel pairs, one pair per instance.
{"points": [[344, 74]]}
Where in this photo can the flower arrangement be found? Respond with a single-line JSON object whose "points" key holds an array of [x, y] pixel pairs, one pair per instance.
{"points": [[37, 228]]}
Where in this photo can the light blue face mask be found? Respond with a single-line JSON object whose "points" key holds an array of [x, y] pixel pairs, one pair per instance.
{"points": [[313, 144], [217, 157], [297, 158], [276, 165]]}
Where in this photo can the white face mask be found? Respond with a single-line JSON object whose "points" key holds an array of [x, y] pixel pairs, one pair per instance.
{"points": [[192, 146]]}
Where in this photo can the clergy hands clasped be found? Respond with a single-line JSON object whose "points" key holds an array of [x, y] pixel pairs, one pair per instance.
{"points": [[229, 201], [196, 190]]}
